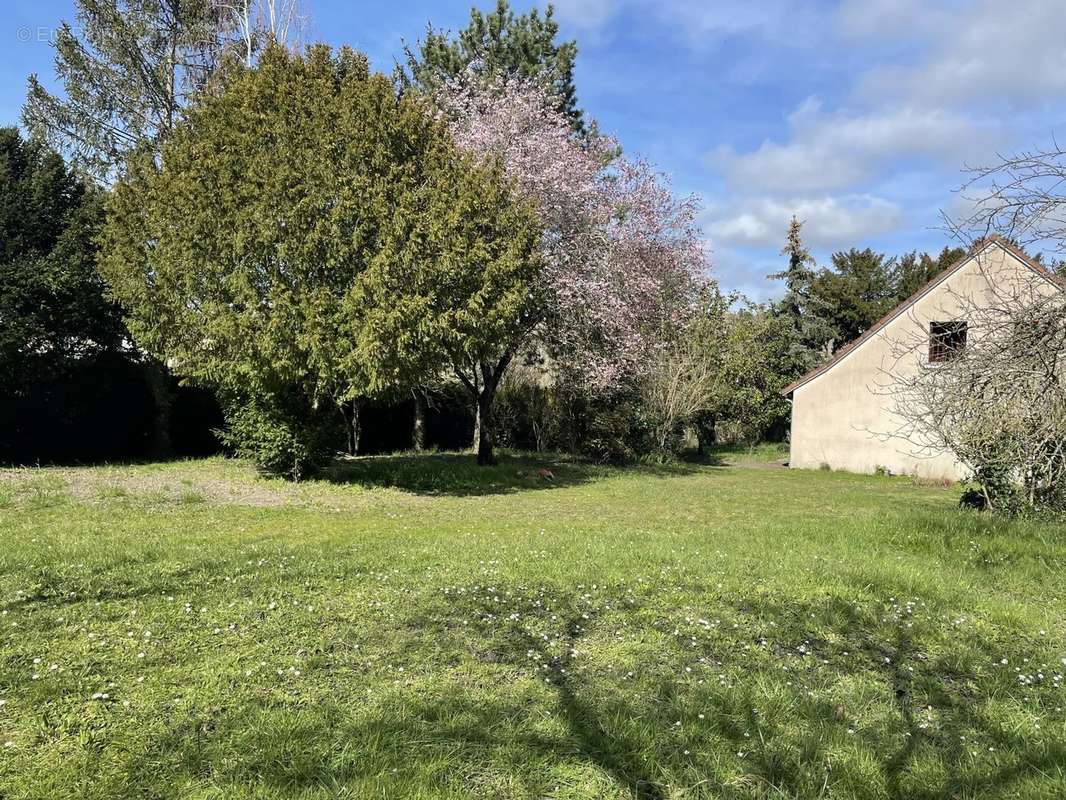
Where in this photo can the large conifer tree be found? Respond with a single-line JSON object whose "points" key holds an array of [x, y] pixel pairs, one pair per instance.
{"points": [[811, 337], [309, 238]]}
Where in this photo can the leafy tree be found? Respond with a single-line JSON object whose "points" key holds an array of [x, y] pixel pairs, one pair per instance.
{"points": [[749, 380], [500, 45], [127, 68], [856, 292], [52, 304], [913, 270], [308, 232], [620, 257], [863, 285], [746, 343], [466, 303]]}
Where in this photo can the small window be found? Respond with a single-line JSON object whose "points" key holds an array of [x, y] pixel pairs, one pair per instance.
{"points": [[946, 340]]}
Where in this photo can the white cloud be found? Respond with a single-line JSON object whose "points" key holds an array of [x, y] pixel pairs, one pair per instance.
{"points": [[877, 19], [746, 273], [587, 14], [841, 149], [699, 20], [999, 51], [915, 90], [1008, 56], [830, 222], [731, 17]]}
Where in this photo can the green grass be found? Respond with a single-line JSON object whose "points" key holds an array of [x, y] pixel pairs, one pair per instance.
{"points": [[417, 627], [749, 454]]}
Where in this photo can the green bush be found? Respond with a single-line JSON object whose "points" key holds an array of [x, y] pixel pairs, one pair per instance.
{"points": [[616, 430], [286, 439], [527, 412], [536, 414]]}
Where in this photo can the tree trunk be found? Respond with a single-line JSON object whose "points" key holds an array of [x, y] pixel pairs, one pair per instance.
{"points": [[486, 428], [158, 379], [350, 411], [484, 393], [705, 434], [475, 442], [418, 431]]}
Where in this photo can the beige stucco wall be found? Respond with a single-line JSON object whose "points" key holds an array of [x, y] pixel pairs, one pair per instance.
{"points": [[844, 418]]}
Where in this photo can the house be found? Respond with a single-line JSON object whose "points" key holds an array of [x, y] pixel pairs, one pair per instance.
{"points": [[844, 412]]}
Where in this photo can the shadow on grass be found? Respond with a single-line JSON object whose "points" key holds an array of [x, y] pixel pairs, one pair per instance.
{"points": [[462, 736], [876, 640], [459, 474], [918, 675], [456, 740]]}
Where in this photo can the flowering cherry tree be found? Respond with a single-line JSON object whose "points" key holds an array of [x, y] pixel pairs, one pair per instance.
{"points": [[622, 258]]}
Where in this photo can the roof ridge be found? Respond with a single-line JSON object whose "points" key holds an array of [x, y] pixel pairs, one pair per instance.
{"points": [[978, 247]]}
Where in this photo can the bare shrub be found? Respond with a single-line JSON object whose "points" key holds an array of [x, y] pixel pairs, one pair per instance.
{"points": [[998, 400], [679, 384]]}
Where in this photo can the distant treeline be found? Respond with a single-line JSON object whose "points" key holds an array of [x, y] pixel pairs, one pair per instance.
{"points": [[102, 408]]}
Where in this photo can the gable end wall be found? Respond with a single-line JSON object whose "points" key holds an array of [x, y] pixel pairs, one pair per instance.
{"points": [[844, 417]]}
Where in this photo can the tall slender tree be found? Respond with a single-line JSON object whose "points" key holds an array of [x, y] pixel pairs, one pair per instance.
{"points": [[127, 68], [811, 335], [799, 274]]}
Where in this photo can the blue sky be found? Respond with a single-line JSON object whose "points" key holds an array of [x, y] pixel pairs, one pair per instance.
{"points": [[857, 115]]}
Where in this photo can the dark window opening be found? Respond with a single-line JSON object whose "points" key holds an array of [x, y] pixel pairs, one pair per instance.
{"points": [[946, 340]]}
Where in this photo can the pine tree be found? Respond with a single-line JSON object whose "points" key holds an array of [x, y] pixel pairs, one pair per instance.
{"points": [[499, 44], [799, 275], [811, 336]]}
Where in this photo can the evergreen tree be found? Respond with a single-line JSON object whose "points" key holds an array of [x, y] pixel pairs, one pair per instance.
{"points": [[127, 67], [855, 293], [307, 239], [799, 275], [71, 391], [499, 45], [810, 335], [913, 270], [52, 304]]}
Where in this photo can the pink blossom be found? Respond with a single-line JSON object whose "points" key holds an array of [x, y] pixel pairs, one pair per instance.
{"points": [[623, 258]]}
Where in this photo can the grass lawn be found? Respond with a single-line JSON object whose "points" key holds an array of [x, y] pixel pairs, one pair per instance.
{"points": [[415, 627]]}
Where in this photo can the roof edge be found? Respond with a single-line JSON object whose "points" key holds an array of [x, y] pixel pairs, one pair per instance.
{"points": [[978, 247]]}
